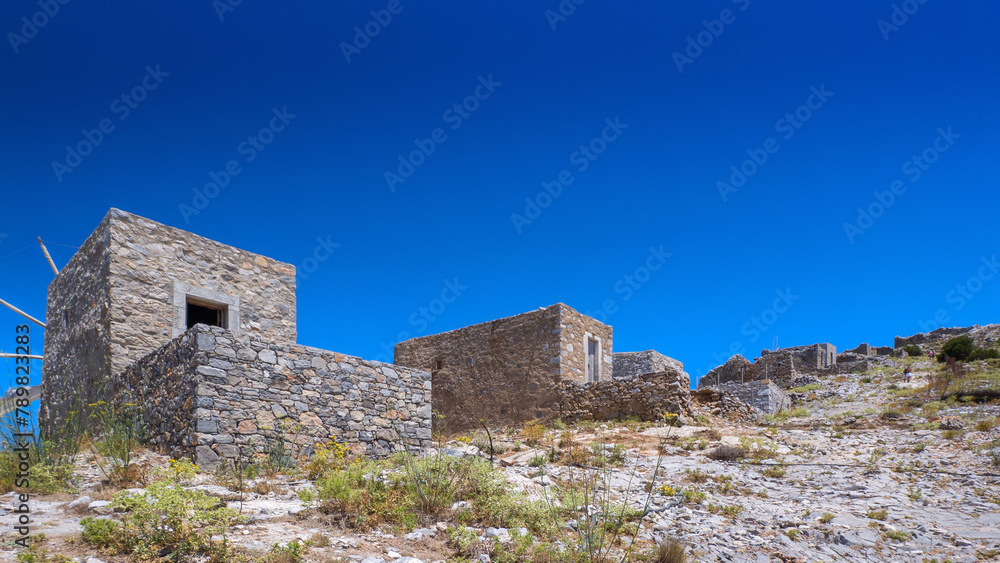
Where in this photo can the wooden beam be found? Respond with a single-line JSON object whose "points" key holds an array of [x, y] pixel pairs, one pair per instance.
{"points": [[48, 257], [29, 356], [22, 313], [7, 404]]}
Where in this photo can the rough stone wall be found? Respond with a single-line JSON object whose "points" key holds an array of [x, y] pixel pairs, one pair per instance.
{"points": [[148, 259], [505, 371], [213, 394], [811, 357], [764, 395], [737, 369], [77, 336], [648, 397], [165, 386], [852, 366], [627, 365], [863, 349], [574, 331], [114, 303]]}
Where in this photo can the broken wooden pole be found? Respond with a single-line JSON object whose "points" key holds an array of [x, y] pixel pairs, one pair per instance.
{"points": [[48, 256], [22, 313]]}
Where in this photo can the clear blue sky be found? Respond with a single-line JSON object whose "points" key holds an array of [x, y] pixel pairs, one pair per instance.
{"points": [[648, 107]]}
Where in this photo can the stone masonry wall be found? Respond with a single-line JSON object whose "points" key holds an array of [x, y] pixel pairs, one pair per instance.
{"points": [[647, 397], [778, 367], [149, 259], [213, 394], [501, 371], [630, 364], [574, 331], [77, 336], [165, 386], [123, 295], [505, 372], [764, 395]]}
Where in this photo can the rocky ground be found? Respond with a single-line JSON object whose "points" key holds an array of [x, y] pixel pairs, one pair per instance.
{"points": [[857, 472]]}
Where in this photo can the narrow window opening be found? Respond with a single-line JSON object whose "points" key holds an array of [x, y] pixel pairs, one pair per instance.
{"points": [[65, 319], [206, 313], [437, 364]]}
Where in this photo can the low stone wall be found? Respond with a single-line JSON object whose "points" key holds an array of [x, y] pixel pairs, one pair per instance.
{"points": [[214, 394], [626, 365], [854, 366], [763, 395], [165, 386], [647, 397]]}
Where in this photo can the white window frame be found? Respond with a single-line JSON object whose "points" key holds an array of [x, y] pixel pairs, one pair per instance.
{"points": [[214, 298]]}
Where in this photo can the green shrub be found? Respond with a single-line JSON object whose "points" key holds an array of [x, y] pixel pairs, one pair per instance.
{"points": [[960, 348], [167, 517], [897, 535], [912, 350], [984, 354], [880, 514], [291, 552]]}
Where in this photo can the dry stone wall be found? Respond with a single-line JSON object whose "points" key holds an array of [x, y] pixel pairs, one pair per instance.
{"points": [[763, 395], [647, 397], [778, 367], [214, 395], [77, 339], [123, 295], [150, 260], [630, 364], [506, 371]]}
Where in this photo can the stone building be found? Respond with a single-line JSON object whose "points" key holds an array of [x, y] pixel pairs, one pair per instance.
{"points": [[122, 316], [544, 364]]}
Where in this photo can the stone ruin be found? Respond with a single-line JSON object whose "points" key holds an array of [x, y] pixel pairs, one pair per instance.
{"points": [[553, 362], [201, 336]]}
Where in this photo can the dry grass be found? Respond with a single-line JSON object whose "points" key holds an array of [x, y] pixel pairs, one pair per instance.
{"points": [[671, 551]]}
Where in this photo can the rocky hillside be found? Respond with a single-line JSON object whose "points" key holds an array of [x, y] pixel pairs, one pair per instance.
{"points": [[866, 467]]}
